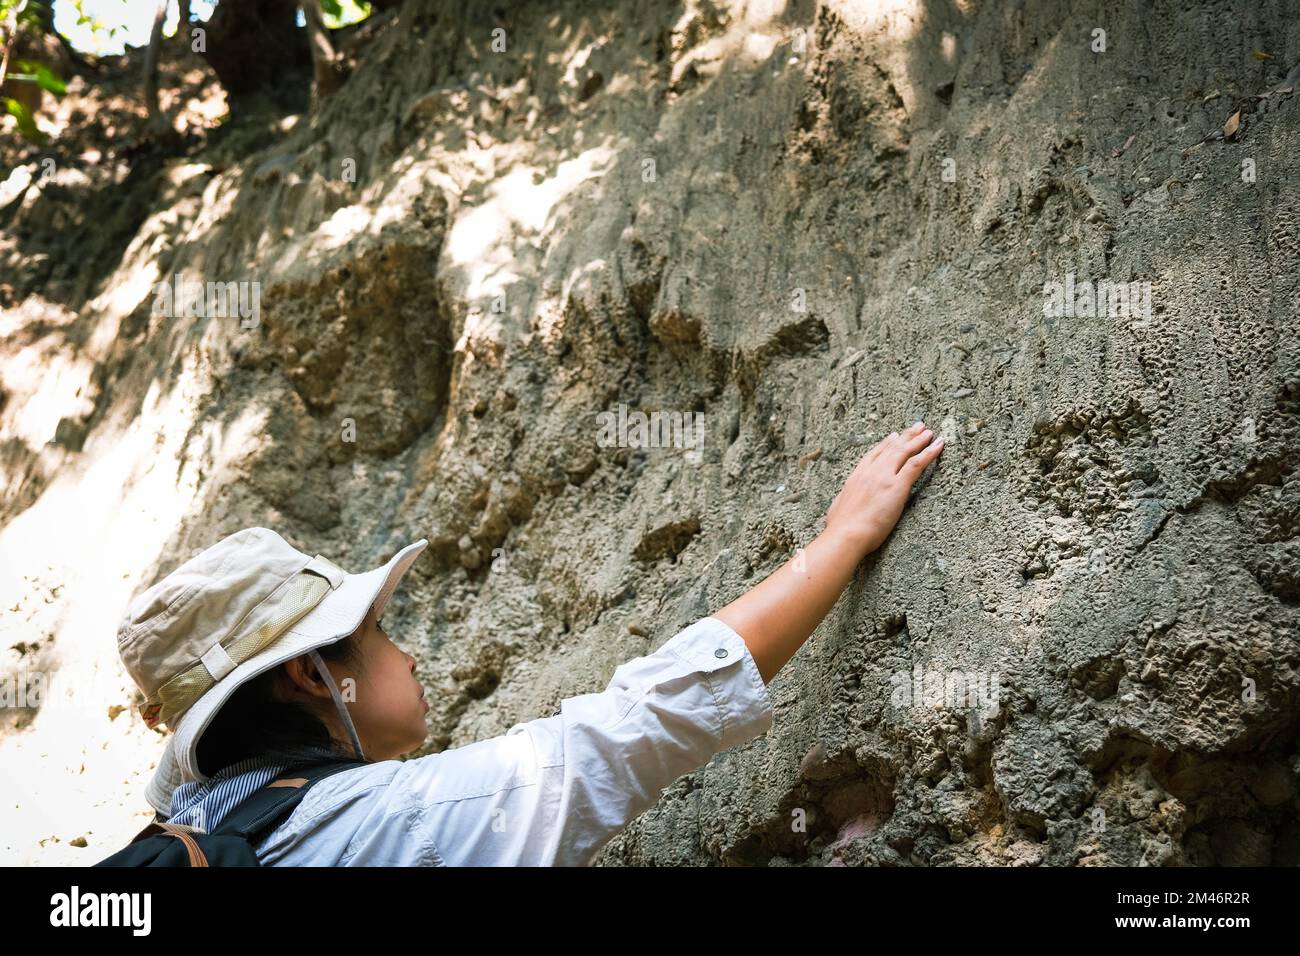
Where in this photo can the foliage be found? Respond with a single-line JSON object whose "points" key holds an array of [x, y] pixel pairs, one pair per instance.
{"points": [[343, 13], [30, 15], [41, 75], [16, 16], [96, 25], [26, 123]]}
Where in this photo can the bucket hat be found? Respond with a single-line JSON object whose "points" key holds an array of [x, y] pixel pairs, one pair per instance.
{"points": [[231, 612]]}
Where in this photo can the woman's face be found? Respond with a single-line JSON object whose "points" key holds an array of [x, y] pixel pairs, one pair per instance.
{"points": [[383, 696]]}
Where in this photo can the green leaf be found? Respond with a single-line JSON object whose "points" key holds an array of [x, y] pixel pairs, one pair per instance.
{"points": [[26, 124], [42, 75], [7, 9]]}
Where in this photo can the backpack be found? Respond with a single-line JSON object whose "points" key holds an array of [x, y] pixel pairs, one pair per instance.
{"points": [[232, 842]]}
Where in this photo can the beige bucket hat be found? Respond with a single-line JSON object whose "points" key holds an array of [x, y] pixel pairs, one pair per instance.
{"points": [[247, 603]]}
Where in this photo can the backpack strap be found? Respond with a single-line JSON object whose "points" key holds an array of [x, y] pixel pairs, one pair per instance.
{"points": [[185, 834], [265, 808]]}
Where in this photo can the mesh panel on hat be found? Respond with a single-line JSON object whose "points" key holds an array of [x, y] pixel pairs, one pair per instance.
{"points": [[182, 691], [203, 602]]}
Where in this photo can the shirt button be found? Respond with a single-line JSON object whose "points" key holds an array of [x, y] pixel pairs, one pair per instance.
{"points": [[720, 652]]}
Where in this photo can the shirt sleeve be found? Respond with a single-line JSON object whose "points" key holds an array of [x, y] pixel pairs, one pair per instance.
{"points": [[553, 791]]}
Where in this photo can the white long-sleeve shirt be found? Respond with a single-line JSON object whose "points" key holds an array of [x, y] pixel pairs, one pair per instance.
{"points": [[550, 791]]}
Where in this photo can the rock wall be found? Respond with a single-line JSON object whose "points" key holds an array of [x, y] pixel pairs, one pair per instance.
{"points": [[812, 223]]}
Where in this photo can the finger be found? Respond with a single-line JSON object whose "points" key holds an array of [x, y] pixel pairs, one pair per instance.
{"points": [[878, 447], [913, 467], [909, 446], [884, 446], [890, 441]]}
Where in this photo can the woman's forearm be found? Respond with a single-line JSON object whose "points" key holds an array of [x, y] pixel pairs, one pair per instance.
{"points": [[776, 616]]}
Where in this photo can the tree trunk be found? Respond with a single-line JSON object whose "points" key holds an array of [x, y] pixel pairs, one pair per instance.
{"points": [[328, 73], [259, 54], [159, 123]]}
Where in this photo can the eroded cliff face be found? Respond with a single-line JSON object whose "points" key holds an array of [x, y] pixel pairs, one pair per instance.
{"points": [[813, 224]]}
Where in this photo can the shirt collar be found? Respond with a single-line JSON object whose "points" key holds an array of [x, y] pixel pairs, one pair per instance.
{"points": [[206, 803]]}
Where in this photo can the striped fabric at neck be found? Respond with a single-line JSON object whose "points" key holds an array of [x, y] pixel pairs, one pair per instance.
{"points": [[205, 804]]}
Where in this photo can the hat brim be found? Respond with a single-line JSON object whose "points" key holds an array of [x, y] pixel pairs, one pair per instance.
{"points": [[339, 613]]}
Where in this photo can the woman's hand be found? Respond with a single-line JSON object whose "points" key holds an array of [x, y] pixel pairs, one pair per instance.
{"points": [[775, 617], [872, 499]]}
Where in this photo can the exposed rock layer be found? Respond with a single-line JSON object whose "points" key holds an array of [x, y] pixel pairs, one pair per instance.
{"points": [[814, 225]]}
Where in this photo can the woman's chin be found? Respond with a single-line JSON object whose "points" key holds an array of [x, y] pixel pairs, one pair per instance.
{"points": [[420, 736]]}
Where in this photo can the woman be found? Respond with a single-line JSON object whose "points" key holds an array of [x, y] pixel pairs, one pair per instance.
{"points": [[243, 649]]}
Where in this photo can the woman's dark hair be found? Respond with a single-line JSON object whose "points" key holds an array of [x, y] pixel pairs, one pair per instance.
{"points": [[253, 723]]}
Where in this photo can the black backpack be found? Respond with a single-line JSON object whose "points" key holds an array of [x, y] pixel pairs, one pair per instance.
{"points": [[232, 842]]}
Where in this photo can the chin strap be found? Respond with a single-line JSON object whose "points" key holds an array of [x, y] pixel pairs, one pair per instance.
{"points": [[338, 700]]}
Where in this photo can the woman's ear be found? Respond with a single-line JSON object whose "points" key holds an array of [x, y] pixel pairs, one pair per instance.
{"points": [[300, 676]]}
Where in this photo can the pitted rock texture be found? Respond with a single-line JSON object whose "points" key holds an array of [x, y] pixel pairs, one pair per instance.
{"points": [[813, 223]]}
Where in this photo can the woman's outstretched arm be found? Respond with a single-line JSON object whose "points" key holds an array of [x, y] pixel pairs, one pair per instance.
{"points": [[554, 790], [776, 616]]}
